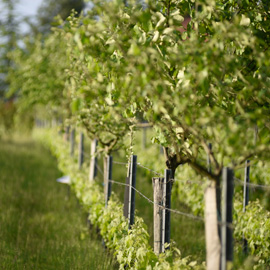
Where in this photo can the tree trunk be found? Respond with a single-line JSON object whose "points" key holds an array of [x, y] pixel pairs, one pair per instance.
{"points": [[213, 245]]}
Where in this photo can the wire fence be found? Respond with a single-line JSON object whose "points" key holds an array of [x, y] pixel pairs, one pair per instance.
{"points": [[162, 207], [229, 225], [121, 163], [99, 169], [188, 181], [234, 181], [150, 170], [242, 183]]}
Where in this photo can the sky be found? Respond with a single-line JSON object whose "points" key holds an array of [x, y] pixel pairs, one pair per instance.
{"points": [[27, 8]]}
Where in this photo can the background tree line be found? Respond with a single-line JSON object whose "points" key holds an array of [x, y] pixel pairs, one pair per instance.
{"points": [[11, 37]]}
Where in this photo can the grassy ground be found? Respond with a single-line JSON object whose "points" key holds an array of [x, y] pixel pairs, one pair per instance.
{"points": [[40, 228]]}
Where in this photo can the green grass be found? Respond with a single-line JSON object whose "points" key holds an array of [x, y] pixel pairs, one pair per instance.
{"points": [[40, 227]]}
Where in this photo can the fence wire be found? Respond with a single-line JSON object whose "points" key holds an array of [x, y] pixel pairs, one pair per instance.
{"points": [[267, 187], [148, 169], [140, 165], [229, 225], [264, 187], [187, 181], [121, 163], [152, 202], [99, 169], [160, 175]]}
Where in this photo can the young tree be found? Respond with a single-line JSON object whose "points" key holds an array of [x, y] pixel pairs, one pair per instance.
{"points": [[208, 84]]}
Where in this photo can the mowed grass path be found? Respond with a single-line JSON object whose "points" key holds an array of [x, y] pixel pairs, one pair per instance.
{"points": [[40, 228]]}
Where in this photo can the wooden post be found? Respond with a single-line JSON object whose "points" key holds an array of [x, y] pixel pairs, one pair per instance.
{"points": [[81, 150], [227, 208], [72, 142], [108, 184], [129, 208], [212, 237], [167, 191], [211, 228], [218, 190], [159, 214], [93, 161], [246, 199]]}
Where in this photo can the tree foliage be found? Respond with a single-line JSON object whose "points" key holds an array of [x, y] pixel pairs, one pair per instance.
{"points": [[197, 71], [206, 83]]}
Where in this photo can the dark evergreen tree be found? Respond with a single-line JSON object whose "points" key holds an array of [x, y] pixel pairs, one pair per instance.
{"points": [[8, 35], [51, 8]]}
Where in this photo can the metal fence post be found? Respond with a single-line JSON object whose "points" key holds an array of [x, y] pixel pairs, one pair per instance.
{"points": [[72, 142], [167, 193], [81, 150], [133, 170], [108, 184], [129, 206], [246, 199], [93, 161], [227, 208]]}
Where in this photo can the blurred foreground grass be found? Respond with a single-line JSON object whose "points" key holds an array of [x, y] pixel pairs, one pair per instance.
{"points": [[40, 227]]}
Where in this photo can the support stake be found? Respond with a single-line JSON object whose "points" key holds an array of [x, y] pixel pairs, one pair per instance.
{"points": [[159, 213], [129, 207], [93, 161], [227, 208], [72, 142], [246, 199], [81, 150], [167, 192], [108, 184]]}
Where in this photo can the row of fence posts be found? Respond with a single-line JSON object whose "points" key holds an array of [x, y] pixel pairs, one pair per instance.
{"points": [[161, 186], [45, 123], [218, 226], [219, 236]]}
